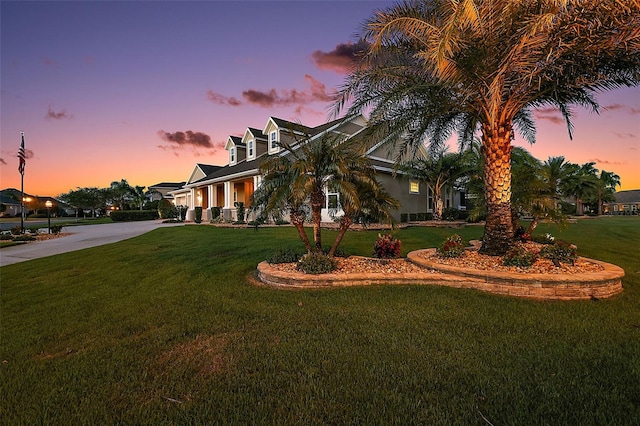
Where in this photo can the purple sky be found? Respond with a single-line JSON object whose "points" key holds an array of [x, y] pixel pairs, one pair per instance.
{"points": [[143, 90]]}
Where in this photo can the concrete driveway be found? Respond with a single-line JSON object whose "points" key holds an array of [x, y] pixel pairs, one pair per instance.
{"points": [[83, 236]]}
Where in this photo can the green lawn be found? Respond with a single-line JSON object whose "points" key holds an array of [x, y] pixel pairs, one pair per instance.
{"points": [[167, 328]]}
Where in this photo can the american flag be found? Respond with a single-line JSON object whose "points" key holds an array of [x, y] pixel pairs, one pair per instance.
{"points": [[22, 156]]}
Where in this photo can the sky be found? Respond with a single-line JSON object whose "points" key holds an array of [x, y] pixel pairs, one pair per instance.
{"points": [[144, 90]]}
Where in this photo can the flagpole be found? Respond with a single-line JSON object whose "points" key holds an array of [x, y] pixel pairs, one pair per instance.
{"points": [[21, 167]]}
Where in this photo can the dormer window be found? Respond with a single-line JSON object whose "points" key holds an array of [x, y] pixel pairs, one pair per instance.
{"points": [[273, 140], [250, 148], [232, 155]]}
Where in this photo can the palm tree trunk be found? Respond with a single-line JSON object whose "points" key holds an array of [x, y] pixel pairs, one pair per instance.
{"points": [[532, 226], [297, 220], [496, 149], [437, 207], [345, 224], [316, 216]]}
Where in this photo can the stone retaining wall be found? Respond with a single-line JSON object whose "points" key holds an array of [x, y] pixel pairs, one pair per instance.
{"points": [[540, 286]]}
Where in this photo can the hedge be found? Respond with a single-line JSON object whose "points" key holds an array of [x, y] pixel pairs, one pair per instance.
{"points": [[133, 215]]}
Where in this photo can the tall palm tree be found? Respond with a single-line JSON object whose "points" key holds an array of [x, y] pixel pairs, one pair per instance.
{"points": [[606, 187], [438, 171], [581, 182], [438, 67], [120, 192], [300, 177]]}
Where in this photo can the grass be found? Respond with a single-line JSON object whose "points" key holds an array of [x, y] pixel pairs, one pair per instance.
{"points": [[167, 328]]}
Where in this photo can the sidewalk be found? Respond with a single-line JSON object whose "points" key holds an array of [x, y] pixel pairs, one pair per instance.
{"points": [[84, 236]]}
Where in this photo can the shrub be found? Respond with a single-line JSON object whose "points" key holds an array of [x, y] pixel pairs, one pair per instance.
{"points": [[520, 234], [32, 230], [16, 230], [386, 247], [284, 255], [451, 247], [198, 215], [518, 255], [24, 238], [560, 252], [133, 215], [166, 209], [413, 217], [240, 212], [316, 263], [429, 216], [451, 214], [281, 222], [404, 217], [55, 229], [215, 212], [543, 239], [6, 237], [422, 217]]}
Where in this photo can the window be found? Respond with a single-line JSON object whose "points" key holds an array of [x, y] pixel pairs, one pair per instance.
{"points": [[273, 139], [250, 145], [332, 201], [232, 155], [414, 187]]}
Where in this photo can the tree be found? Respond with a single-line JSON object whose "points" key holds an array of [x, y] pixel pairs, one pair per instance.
{"points": [[120, 193], [139, 196], [580, 182], [438, 67], [439, 170], [605, 188], [299, 179]]}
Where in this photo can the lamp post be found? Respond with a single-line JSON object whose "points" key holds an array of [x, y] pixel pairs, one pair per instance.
{"points": [[48, 203]]}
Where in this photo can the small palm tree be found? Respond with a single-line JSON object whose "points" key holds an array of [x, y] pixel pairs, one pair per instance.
{"points": [[438, 171], [297, 182], [438, 67]]}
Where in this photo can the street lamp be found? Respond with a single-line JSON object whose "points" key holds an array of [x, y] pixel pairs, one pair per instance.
{"points": [[48, 203]]}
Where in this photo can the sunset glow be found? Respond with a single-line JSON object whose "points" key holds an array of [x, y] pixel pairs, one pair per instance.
{"points": [[143, 91]]}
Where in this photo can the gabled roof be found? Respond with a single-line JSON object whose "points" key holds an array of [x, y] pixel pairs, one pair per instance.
{"points": [[257, 133], [167, 185], [630, 196], [236, 141]]}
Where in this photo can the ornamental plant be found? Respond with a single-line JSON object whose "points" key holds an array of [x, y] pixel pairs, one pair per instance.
{"points": [[387, 247], [518, 255], [316, 263], [451, 247], [560, 252]]}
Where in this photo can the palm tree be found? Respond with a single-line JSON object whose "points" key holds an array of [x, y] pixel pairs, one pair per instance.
{"points": [[299, 178], [438, 67], [120, 192], [581, 182], [606, 187], [139, 195], [370, 202], [438, 171]]}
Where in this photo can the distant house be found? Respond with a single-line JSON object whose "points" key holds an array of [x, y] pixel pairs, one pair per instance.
{"points": [[226, 186], [161, 190], [11, 207], [626, 203]]}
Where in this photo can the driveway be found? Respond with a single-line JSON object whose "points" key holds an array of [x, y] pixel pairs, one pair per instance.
{"points": [[83, 236]]}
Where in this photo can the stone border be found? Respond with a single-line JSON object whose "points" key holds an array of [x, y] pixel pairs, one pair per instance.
{"points": [[598, 285]]}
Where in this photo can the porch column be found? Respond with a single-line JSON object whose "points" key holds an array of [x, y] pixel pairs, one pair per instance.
{"points": [[210, 196], [228, 195]]}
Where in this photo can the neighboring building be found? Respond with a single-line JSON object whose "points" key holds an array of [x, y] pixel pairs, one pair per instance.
{"points": [[226, 186], [11, 207], [161, 190], [626, 203]]}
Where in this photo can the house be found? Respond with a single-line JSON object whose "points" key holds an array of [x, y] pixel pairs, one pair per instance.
{"points": [[9, 207], [162, 189], [626, 203], [226, 186]]}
